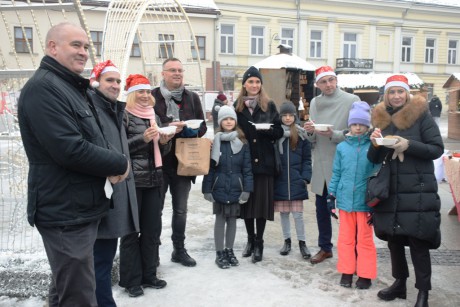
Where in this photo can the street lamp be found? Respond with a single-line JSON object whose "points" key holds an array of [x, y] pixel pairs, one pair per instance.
{"points": [[275, 37]]}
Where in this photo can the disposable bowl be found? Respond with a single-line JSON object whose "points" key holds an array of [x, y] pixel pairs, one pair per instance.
{"points": [[385, 141], [194, 123], [168, 130], [322, 127], [262, 126]]}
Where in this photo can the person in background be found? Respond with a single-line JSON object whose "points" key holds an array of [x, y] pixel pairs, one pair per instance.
{"points": [[71, 165], [139, 252], [220, 101], [228, 184], [174, 105], [436, 109], [330, 107], [291, 184], [350, 170], [123, 215], [410, 216], [254, 106]]}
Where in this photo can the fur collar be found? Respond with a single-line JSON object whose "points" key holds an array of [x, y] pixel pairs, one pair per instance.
{"points": [[402, 119]]}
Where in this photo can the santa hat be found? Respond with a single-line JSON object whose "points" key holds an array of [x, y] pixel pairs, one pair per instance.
{"points": [[397, 80], [99, 70], [137, 82], [324, 71]]}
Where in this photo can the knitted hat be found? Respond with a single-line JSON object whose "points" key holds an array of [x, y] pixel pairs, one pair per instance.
{"points": [[287, 108], [225, 112], [252, 72], [221, 97], [137, 82], [99, 70], [324, 71], [397, 80], [359, 114]]}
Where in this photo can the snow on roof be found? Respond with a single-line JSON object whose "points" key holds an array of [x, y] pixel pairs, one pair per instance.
{"points": [[456, 75], [199, 3], [283, 60], [373, 80], [438, 2]]}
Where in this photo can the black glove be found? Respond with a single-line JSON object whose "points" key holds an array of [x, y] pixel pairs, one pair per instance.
{"points": [[331, 205]]}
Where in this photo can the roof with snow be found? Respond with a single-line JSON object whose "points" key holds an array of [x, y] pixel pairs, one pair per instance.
{"points": [[374, 80], [285, 60], [454, 77]]}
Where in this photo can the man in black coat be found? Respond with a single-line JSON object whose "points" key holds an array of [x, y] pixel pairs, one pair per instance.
{"points": [[71, 168], [436, 109]]}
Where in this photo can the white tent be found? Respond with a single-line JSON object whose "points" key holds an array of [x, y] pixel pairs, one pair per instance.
{"points": [[284, 60]]}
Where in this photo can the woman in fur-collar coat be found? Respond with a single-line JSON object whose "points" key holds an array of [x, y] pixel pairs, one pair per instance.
{"points": [[410, 216]]}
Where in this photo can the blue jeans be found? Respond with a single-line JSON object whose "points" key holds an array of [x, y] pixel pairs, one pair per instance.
{"points": [[323, 218], [104, 253], [179, 187]]}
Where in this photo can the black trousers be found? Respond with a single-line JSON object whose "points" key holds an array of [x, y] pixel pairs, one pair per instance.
{"points": [[420, 255]]}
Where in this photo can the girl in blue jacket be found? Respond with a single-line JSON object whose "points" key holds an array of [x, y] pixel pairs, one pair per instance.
{"points": [[351, 168], [228, 183], [291, 184]]}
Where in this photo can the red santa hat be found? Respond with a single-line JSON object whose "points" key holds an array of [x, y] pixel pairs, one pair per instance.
{"points": [[397, 80], [99, 70], [324, 71], [137, 82]]}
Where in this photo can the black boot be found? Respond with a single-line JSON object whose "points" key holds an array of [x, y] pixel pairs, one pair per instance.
{"points": [[304, 250], [286, 247], [396, 290], [346, 280], [181, 256], [258, 250], [363, 283], [154, 283], [221, 260], [249, 249], [422, 299], [231, 257]]}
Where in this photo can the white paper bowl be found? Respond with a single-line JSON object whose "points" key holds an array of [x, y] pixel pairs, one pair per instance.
{"points": [[322, 127], [168, 130], [262, 126], [385, 141], [194, 123]]}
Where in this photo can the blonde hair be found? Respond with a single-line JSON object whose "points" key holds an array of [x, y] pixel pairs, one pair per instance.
{"points": [[387, 100], [131, 100], [262, 101]]}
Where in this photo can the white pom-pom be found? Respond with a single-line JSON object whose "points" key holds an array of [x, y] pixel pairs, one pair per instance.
{"points": [[95, 84]]}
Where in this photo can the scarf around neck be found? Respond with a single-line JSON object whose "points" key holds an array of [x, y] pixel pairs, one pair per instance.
{"points": [[287, 134], [148, 113], [251, 102], [172, 108], [235, 143]]}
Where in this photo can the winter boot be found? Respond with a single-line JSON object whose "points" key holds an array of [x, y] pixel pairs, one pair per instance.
{"points": [[258, 250], [346, 280], [286, 247], [221, 260], [304, 250], [363, 283], [231, 257], [396, 290], [181, 256], [154, 283], [422, 299], [249, 249]]}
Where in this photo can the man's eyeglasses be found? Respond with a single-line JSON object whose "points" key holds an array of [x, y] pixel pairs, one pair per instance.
{"points": [[174, 71], [325, 81]]}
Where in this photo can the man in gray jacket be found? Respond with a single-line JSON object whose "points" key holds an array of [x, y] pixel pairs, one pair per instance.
{"points": [[331, 107]]}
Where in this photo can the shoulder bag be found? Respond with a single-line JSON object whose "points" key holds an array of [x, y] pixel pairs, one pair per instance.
{"points": [[378, 185]]}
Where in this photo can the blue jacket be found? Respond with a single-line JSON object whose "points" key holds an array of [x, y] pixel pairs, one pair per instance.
{"points": [[231, 176], [296, 171], [350, 171]]}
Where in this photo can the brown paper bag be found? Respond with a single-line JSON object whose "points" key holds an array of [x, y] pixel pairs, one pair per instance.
{"points": [[193, 155]]}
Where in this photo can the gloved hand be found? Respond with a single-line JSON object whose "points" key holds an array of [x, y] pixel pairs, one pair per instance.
{"points": [[244, 197], [370, 218], [331, 205], [208, 197], [401, 145], [189, 132]]}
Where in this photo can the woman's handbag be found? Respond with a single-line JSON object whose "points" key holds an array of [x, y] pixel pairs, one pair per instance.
{"points": [[278, 167], [193, 156], [378, 185]]}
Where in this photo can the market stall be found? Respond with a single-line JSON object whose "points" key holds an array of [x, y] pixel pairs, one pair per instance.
{"points": [[453, 121]]}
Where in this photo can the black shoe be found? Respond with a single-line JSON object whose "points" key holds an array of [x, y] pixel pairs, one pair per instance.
{"points": [[286, 247], [154, 283], [134, 291], [422, 299], [181, 256], [304, 250], [346, 280], [231, 257], [363, 283], [258, 251], [396, 290], [249, 249], [221, 260]]}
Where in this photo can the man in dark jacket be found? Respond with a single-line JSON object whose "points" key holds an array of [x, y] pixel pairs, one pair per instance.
{"points": [[174, 104], [71, 168], [436, 109]]}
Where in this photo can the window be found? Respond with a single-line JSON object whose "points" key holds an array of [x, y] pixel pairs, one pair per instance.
{"points": [[166, 49], [20, 42], [135, 48], [429, 50], [257, 40], [315, 44], [452, 52], [96, 37], [287, 37], [201, 42], [227, 33], [349, 45], [406, 49]]}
